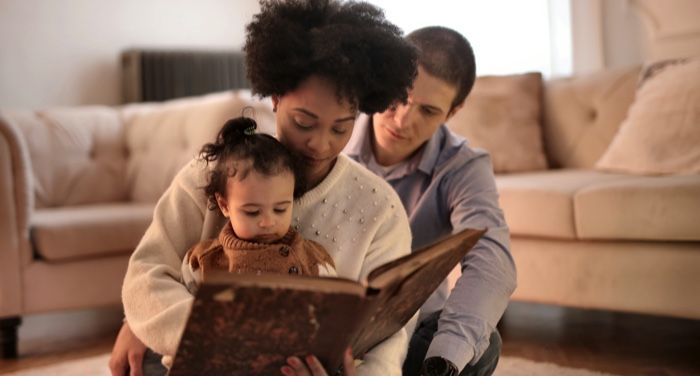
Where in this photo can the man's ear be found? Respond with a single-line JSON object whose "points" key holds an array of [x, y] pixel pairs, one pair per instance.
{"points": [[454, 110], [275, 102], [223, 205]]}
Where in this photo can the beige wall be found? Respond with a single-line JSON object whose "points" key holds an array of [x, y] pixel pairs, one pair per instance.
{"points": [[616, 33], [65, 52]]}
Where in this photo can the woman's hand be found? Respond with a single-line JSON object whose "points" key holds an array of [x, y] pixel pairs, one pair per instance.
{"points": [[127, 353], [312, 367]]}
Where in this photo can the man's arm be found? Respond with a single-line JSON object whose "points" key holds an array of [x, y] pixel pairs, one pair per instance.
{"points": [[488, 278]]}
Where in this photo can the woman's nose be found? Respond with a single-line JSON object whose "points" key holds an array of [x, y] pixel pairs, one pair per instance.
{"points": [[319, 144]]}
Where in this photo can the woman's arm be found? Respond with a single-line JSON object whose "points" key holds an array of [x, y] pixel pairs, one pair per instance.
{"points": [[156, 303], [391, 241], [127, 354]]}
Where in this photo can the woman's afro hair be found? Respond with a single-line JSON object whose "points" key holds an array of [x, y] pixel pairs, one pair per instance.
{"points": [[350, 43]]}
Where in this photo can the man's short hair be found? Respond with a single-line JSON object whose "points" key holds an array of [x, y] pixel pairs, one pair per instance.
{"points": [[447, 55]]}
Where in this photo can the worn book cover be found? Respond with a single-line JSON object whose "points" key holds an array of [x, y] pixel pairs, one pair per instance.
{"points": [[249, 324]]}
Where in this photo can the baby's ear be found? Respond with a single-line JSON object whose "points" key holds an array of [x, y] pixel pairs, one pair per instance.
{"points": [[223, 205]]}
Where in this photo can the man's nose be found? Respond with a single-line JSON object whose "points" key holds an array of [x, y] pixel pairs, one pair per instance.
{"points": [[402, 115]]}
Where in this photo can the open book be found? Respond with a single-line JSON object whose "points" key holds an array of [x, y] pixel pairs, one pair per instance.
{"points": [[249, 324]]}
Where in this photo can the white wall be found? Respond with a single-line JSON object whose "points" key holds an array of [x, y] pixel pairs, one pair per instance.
{"points": [[66, 52]]}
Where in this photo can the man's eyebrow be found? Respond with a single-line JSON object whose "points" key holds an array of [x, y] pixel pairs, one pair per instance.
{"points": [[311, 114]]}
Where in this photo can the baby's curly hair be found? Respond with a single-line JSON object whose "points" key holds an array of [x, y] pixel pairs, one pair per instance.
{"points": [[350, 43], [237, 141]]}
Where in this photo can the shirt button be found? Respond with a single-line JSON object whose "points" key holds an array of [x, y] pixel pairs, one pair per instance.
{"points": [[284, 251], [293, 270]]}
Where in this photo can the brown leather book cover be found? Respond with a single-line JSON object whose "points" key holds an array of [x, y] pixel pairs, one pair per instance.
{"points": [[245, 324]]}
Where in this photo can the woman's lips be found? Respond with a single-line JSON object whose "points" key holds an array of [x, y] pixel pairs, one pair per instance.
{"points": [[315, 161]]}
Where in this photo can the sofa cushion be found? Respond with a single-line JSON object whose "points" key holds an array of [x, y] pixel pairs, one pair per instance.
{"points": [[77, 155], [88, 231], [163, 137], [661, 134], [542, 203], [503, 114], [664, 208], [583, 113]]}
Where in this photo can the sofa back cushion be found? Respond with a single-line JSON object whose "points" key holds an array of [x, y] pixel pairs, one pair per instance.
{"points": [[162, 137], [503, 114], [583, 114], [77, 154]]}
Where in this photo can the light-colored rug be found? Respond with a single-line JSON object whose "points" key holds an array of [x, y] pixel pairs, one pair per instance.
{"points": [[507, 366]]}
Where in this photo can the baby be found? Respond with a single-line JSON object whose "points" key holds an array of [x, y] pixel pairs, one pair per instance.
{"points": [[254, 182]]}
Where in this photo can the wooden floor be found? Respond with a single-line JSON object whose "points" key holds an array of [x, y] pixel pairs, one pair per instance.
{"points": [[617, 343], [624, 344]]}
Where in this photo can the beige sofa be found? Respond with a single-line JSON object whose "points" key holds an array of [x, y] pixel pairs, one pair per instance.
{"points": [[77, 191], [582, 237], [591, 239], [78, 186]]}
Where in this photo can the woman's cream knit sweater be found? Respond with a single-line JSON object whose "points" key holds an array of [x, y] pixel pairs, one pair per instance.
{"points": [[354, 214]]}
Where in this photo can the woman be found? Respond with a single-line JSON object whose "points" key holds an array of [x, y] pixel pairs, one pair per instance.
{"points": [[321, 62]]}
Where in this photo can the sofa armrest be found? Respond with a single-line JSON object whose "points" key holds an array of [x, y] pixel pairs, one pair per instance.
{"points": [[16, 202]]}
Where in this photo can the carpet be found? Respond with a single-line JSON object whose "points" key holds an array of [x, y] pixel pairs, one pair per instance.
{"points": [[507, 366]]}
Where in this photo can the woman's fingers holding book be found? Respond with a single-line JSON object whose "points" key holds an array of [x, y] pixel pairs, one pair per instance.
{"points": [[295, 367], [349, 363]]}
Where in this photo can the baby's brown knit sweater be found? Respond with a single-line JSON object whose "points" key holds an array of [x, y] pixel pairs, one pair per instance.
{"points": [[291, 254]]}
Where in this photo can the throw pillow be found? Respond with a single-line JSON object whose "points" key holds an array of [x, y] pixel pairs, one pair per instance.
{"points": [[503, 115], [661, 134]]}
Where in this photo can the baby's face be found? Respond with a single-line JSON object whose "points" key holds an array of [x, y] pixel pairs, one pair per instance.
{"points": [[259, 206]]}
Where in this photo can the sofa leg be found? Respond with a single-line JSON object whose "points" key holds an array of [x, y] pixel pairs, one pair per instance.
{"points": [[8, 337]]}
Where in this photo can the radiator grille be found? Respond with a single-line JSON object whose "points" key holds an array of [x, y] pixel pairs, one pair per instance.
{"points": [[157, 75]]}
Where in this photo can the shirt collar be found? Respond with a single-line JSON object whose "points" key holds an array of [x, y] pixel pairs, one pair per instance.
{"points": [[360, 148]]}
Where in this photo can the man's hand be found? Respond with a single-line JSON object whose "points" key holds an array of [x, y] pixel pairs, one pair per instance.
{"points": [[127, 354], [312, 367]]}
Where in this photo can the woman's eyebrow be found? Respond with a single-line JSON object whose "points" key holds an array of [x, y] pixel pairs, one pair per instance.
{"points": [[311, 114]]}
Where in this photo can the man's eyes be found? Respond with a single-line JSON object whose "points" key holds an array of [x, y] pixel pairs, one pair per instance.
{"points": [[428, 111], [280, 210]]}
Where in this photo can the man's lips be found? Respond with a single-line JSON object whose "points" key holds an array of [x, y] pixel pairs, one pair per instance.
{"points": [[394, 134]]}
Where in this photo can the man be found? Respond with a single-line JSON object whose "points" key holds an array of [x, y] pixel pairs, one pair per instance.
{"points": [[445, 186]]}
